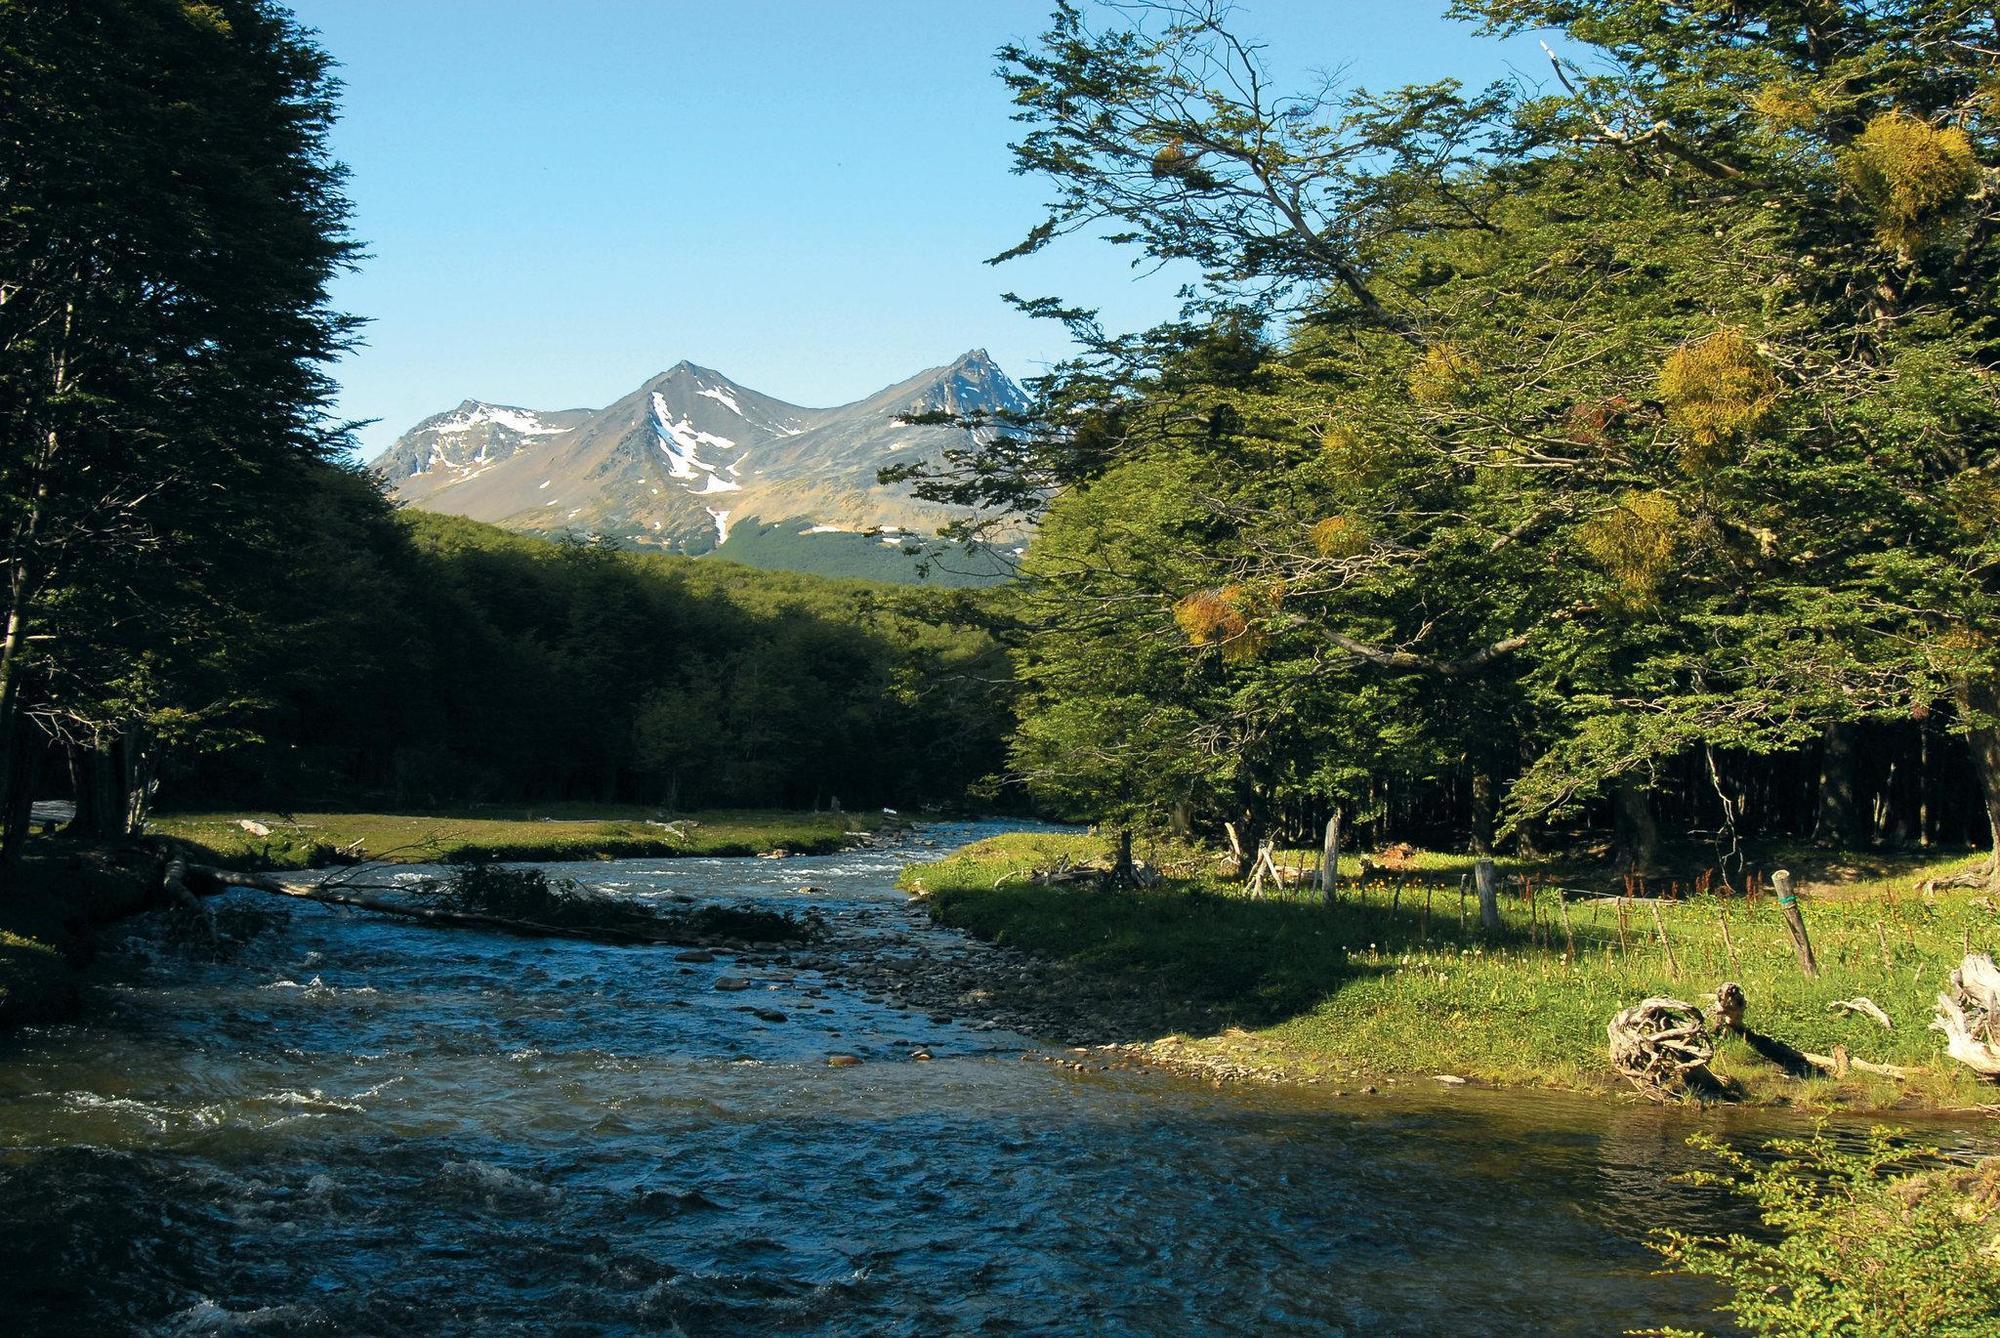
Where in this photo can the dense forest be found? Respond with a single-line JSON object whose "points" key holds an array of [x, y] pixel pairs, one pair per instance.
{"points": [[424, 660], [207, 603], [1609, 448]]}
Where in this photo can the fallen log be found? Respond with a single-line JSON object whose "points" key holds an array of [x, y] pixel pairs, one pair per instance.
{"points": [[1865, 1006], [208, 880], [1726, 1018]]}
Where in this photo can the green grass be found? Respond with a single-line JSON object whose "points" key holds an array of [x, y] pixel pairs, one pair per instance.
{"points": [[545, 832], [1374, 985]]}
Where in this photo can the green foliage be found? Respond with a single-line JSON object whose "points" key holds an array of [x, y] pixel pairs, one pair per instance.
{"points": [[1857, 1250], [1644, 428]]}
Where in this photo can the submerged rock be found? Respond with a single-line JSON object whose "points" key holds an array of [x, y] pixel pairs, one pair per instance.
{"points": [[732, 983], [842, 1061]]}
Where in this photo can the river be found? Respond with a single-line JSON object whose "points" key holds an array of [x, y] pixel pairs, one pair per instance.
{"points": [[339, 1123]]}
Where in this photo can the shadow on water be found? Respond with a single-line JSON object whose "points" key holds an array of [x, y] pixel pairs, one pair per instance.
{"points": [[343, 1124]]}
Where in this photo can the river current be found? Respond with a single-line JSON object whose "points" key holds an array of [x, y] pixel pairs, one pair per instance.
{"points": [[338, 1123]]}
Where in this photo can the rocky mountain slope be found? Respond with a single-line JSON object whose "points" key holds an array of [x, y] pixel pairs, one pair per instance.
{"points": [[691, 460]]}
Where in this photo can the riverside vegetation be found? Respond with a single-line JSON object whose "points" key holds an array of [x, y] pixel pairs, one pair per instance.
{"points": [[1615, 454]]}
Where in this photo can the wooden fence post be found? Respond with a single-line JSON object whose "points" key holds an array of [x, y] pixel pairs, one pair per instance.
{"points": [[1795, 920]]}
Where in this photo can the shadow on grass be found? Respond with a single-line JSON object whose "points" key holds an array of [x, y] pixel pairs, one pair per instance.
{"points": [[1186, 958]]}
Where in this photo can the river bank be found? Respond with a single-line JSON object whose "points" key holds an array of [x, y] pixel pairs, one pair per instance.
{"points": [[1393, 986], [68, 890]]}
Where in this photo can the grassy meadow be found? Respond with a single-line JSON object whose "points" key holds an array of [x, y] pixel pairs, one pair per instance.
{"points": [[1386, 983]]}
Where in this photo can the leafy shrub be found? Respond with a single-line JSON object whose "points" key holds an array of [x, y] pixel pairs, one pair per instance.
{"points": [[1859, 1252]]}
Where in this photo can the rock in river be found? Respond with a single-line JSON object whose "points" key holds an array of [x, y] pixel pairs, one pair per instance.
{"points": [[731, 983], [842, 1061]]}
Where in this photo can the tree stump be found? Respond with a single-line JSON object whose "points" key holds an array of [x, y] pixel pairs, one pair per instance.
{"points": [[1663, 1047], [1966, 1014]]}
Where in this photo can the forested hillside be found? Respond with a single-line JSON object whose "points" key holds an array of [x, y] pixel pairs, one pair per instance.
{"points": [[423, 660]]}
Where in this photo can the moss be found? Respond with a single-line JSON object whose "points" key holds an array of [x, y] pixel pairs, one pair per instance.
{"points": [[1340, 537], [1717, 390], [1443, 374], [1784, 106], [1914, 175], [1636, 542]]}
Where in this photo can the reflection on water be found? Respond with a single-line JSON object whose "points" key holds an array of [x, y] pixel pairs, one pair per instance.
{"points": [[343, 1124]]}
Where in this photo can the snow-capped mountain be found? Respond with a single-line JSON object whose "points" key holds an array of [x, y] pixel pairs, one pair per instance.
{"points": [[687, 459]]}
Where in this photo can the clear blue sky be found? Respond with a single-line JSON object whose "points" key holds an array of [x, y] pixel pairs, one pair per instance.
{"points": [[562, 199]]}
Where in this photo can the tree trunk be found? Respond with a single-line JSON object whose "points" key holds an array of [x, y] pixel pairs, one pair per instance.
{"points": [[1329, 867], [1250, 838], [1482, 812], [1834, 823], [1489, 895], [1638, 835], [1122, 872], [100, 777], [24, 760], [1979, 705]]}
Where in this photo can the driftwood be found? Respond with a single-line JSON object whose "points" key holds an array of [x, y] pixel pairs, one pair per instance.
{"points": [[1866, 1007], [1966, 1013], [1663, 1047]]}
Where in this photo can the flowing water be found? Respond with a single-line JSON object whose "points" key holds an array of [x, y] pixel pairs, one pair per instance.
{"points": [[338, 1123]]}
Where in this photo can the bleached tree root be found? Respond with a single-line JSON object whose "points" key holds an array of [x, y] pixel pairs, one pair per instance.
{"points": [[1663, 1047], [1966, 1014]]}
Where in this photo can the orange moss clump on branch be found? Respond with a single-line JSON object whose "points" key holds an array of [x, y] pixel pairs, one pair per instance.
{"points": [[1176, 161], [1228, 618], [1339, 537], [1784, 106], [1444, 373], [1912, 173], [1717, 391]]}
